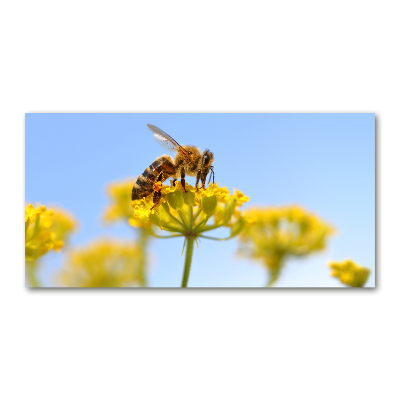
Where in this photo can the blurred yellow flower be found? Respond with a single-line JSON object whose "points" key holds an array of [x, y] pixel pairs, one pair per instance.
{"points": [[119, 194], [120, 207], [104, 263], [272, 234], [45, 230], [349, 273]]}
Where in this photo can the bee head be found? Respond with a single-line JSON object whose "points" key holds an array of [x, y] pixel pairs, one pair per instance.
{"points": [[207, 159], [206, 164]]}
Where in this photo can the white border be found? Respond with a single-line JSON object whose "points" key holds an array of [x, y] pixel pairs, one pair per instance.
{"points": [[214, 56]]}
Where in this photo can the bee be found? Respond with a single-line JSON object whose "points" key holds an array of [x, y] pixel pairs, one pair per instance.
{"points": [[188, 161]]}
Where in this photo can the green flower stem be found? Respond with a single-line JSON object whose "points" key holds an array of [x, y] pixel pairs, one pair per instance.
{"points": [[165, 236], [143, 242], [200, 225], [274, 274], [170, 228], [213, 238], [183, 220], [174, 218], [209, 228], [191, 217], [31, 274], [188, 259], [198, 213]]}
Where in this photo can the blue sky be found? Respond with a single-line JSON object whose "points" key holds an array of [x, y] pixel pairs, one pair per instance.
{"points": [[324, 162]]}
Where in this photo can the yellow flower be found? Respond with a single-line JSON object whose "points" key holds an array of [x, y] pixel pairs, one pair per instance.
{"points": [[31, 212], [349, 273], [119, 194], [189, 213], [120, 208], [272, 234], [45, 230], [105, 263], [240, 197]]}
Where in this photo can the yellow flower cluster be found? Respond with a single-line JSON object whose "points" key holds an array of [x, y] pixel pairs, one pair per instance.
{"points": [[45, 230], [349, 273], [272, 234], [105, 263], [188, 213]]}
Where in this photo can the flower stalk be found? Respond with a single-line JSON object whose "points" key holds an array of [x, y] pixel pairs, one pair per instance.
{"points": [[188, 260], [143, 246], [31, 269]]}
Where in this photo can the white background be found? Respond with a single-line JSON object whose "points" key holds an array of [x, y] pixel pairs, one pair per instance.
{"points": [[205, 56]]}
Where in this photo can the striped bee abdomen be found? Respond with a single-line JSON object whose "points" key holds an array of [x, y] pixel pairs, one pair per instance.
{"points": [[145, 183]]}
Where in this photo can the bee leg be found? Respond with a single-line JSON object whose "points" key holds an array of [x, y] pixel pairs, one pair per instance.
{"points": [[183, 179], [173, 182], [157, 193], [156, 199], [197, 179], [203, 182]]}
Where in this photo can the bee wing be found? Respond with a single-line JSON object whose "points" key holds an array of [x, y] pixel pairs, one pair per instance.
{"points": [[165, 140]]}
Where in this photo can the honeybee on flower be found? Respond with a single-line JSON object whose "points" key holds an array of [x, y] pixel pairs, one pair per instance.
{"points": [[188, 160]]}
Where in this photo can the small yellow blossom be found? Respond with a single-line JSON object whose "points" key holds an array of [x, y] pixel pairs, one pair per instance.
{"points": [[45, 230], [349, 273], [272, 234], [240, 197], [31, 212], [104, 263]]}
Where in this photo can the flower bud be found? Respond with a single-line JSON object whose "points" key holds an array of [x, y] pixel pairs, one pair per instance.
{"points": [[237, 227], [189, 197], [229, 209], [155, 218], [209, 204], [165, 206], [175, 199]]}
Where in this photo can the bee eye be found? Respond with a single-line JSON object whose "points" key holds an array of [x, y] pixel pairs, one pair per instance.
{"points": [[206, 159]]}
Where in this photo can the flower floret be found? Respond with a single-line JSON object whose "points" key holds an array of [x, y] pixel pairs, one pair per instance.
{"points": [[183, 210]]}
